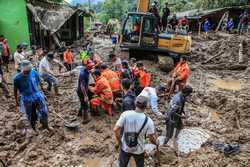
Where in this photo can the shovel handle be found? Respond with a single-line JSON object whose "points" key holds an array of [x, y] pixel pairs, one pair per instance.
{"points": [[58, 115]]}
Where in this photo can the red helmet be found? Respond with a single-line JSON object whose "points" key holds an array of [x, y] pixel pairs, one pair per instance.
{"points": [[89, 64]]}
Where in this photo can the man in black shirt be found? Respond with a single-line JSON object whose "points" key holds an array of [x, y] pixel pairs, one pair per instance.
{"points": [[166, 13], [128, 99]]}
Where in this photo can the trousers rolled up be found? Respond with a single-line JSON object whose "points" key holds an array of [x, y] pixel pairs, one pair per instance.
{"points": [[51, 80], [35, 108]]}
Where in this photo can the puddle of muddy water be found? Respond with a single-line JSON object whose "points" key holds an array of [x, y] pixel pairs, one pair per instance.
{"points": [[227, 84], [92, 163]]}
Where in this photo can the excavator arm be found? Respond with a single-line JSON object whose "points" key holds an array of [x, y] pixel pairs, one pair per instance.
{"points": [[142, 5]]}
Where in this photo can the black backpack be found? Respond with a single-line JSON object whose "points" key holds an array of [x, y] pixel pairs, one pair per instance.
{"points": [[131, 138]]}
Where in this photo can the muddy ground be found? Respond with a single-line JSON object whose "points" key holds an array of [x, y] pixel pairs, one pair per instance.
{"points": [[220, 105]]}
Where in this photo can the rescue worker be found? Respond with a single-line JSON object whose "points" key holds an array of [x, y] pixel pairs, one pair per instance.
{"points": [[18, 57], [164, 20], [136, 28], [27, 83], [142, 78], [104, 96], [113, 79], [68, 59], [4, 52], [175, 113], [180, 76], [128, 98], [46, 71]]}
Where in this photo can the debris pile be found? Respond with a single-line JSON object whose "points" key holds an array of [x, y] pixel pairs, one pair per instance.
{"points": [[222, 52]]}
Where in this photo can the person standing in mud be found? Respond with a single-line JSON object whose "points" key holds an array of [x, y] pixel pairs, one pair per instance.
{"points": [[46, 72], [206, 27], [130, 132], [68, 58], [82, 90], [27, 83], [175, 113], [3, 83], [128, 98], [4, 52]]}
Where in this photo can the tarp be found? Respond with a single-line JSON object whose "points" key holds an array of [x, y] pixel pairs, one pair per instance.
{"points": [[51, 19]]}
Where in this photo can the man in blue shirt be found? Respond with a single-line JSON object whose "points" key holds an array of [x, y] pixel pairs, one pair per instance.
{"points": [[175, 112], [82, 90], [31, 98], [230, 25], [206, 27]]}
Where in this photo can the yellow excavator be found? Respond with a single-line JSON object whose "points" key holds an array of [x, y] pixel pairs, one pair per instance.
{"points": [[139, 36]]}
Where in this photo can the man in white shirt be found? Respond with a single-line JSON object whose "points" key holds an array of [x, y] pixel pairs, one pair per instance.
{"points": [[18, 57], [130, 131], [46, 72], [151, 95]]}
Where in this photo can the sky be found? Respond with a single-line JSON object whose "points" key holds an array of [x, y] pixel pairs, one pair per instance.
{"points": [[74, 2]]}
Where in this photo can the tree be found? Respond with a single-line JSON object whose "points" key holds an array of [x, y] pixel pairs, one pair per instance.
{"points": [[113, 9]]}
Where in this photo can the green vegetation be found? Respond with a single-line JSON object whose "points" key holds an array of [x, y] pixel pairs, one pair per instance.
{"points": [[117, 8]]}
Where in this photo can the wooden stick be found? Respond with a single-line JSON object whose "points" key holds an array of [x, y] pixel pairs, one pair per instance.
{"points": [[217, 55]]}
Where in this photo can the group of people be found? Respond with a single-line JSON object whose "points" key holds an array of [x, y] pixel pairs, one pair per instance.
{"points": [[182, 24], [229, 24], [164, 22], [100, 86]]}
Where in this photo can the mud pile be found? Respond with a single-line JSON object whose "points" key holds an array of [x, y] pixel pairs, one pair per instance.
{"points": [[220, 105], [222, 52]]}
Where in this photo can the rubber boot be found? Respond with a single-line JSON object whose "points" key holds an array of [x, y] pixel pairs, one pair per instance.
{"points": [[45, 125], [79, 113], [86, 117]]}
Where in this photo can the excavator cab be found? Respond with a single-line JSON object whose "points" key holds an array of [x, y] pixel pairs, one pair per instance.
{"points": [[140, 32]]}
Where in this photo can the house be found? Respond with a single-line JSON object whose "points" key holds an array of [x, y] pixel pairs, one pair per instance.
{"points": [[214, 15], [41, 22]]}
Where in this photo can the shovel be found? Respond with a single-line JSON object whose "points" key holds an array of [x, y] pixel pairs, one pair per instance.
{"points": [[71, 125]]}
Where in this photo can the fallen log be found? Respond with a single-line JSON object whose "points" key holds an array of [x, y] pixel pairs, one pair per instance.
{"points": [[215, 56], [223, 66]]}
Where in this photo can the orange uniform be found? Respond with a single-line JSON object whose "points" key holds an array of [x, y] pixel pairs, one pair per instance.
{"points": [[144, 77], [68, 57], [105, 96], [113, 79], [182, 71]]}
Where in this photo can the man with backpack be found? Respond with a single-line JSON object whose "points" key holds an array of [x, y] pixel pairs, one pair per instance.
{"points": [[130, 131]]}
